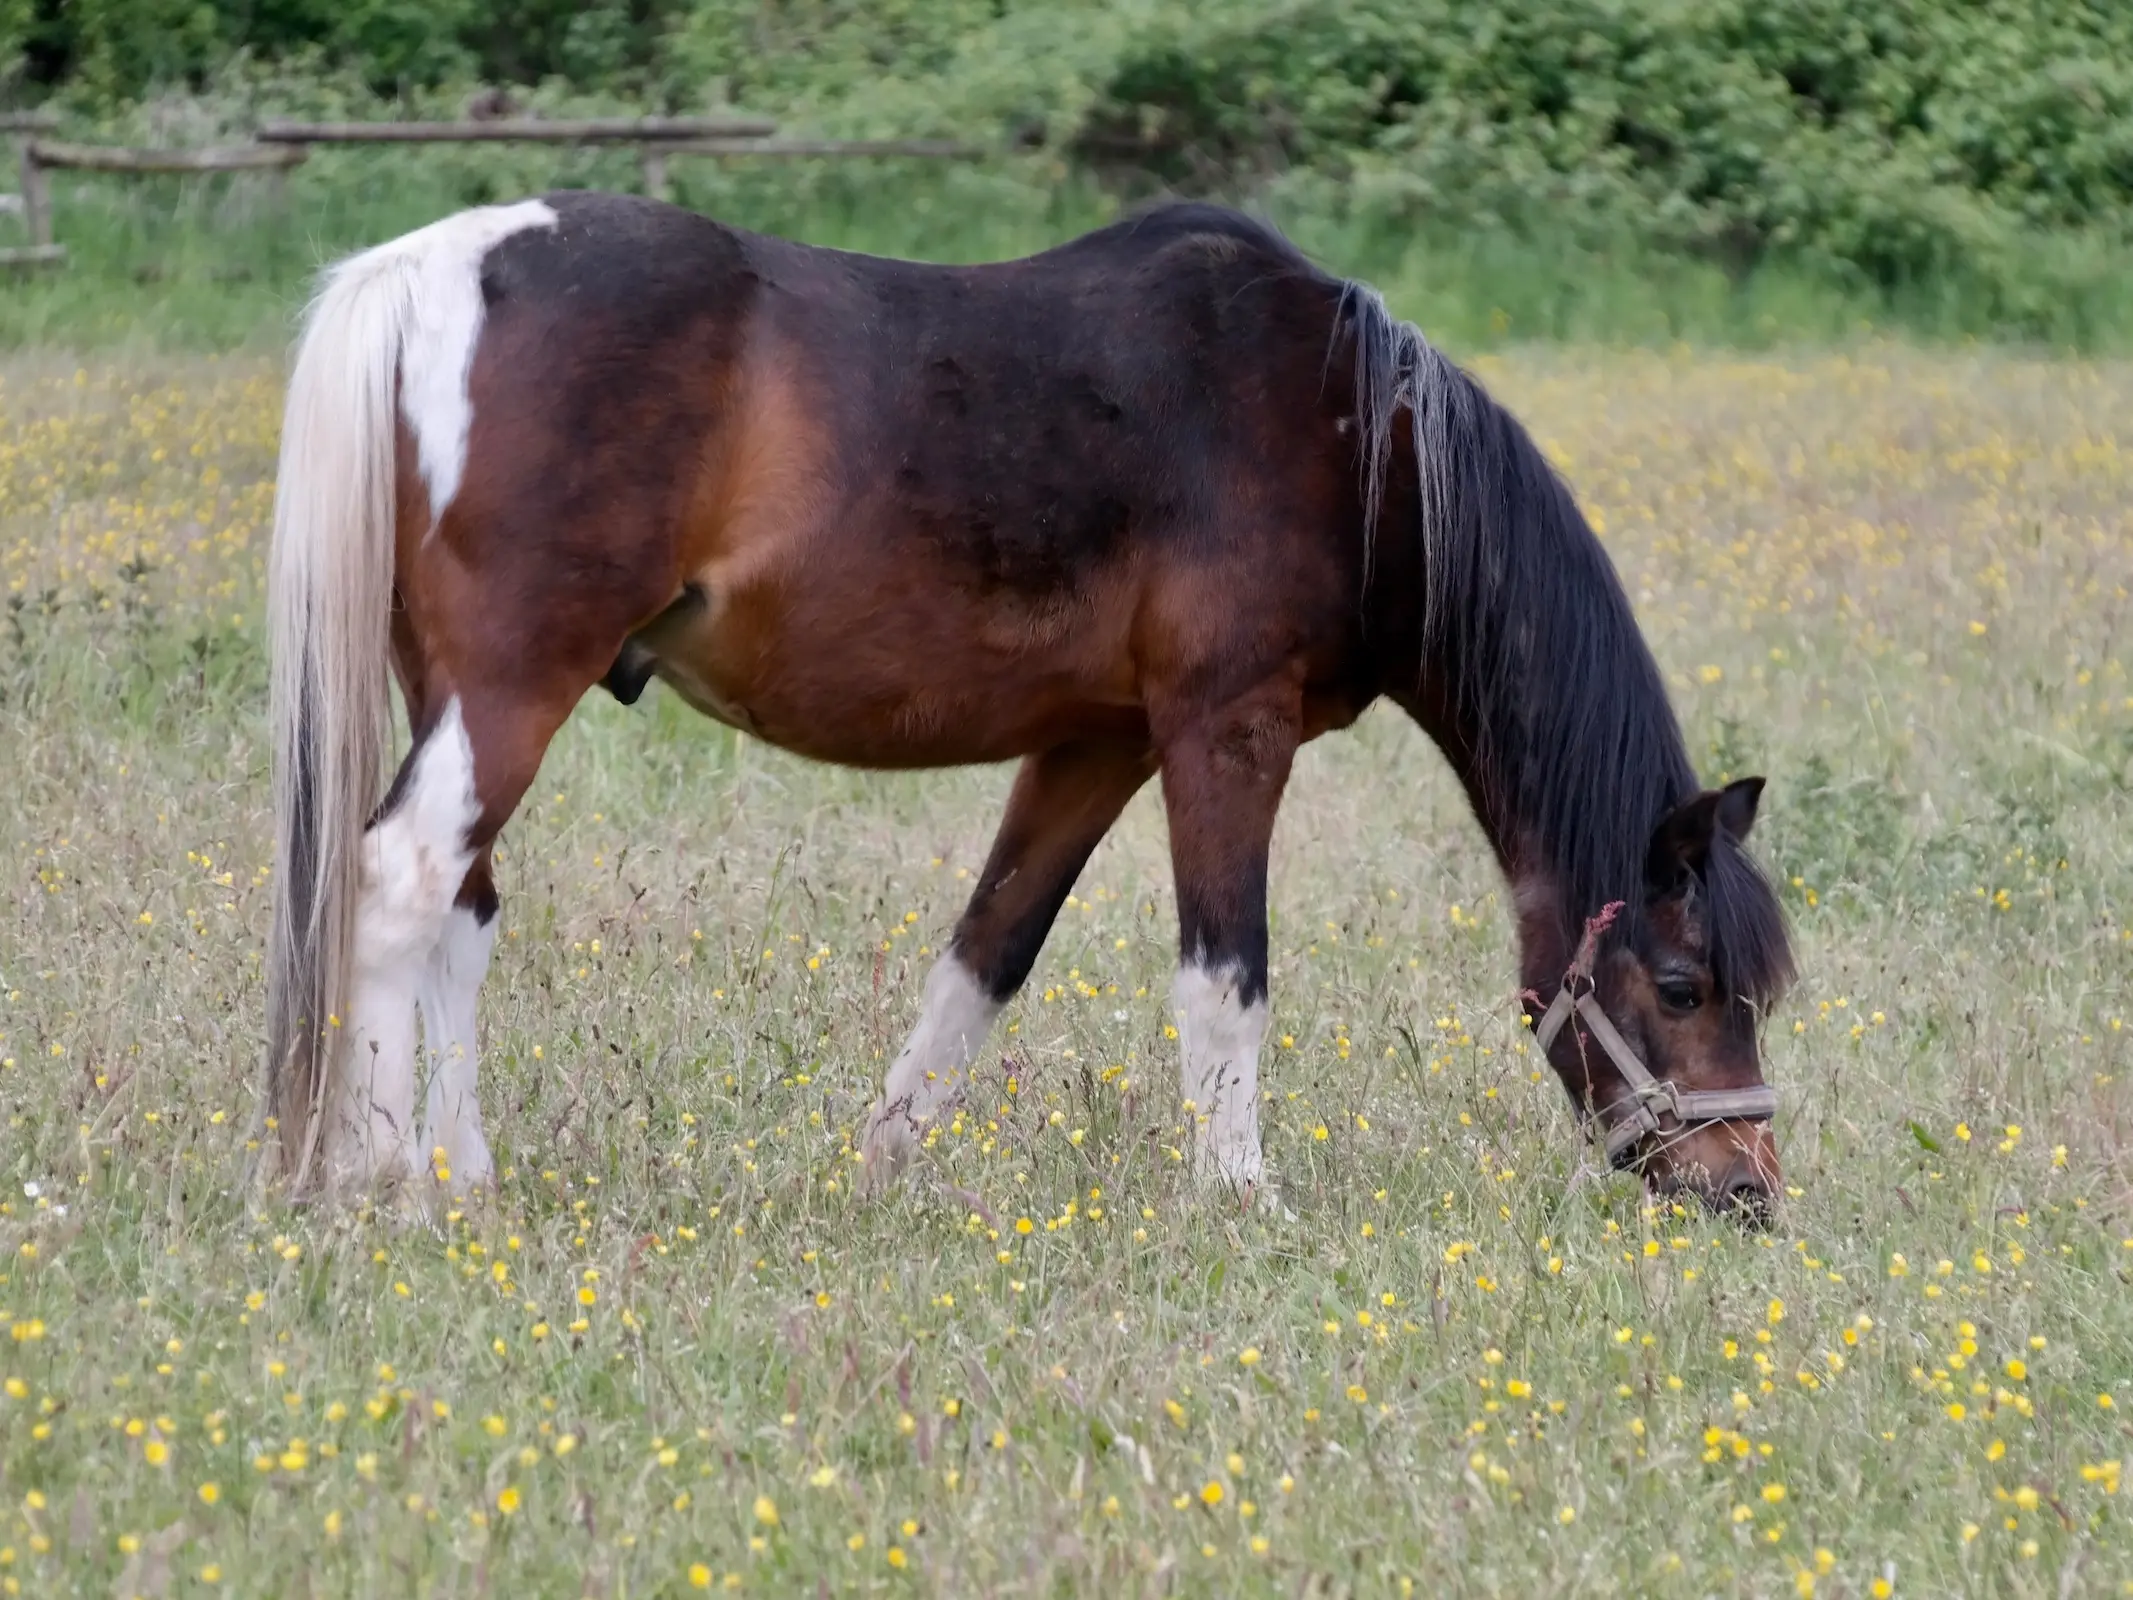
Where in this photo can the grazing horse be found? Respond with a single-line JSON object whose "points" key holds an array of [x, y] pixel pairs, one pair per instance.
{"points": [[1166, 500]]}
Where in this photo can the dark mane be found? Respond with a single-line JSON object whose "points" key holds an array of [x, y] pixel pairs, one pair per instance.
{"points": [[1527, 627]]}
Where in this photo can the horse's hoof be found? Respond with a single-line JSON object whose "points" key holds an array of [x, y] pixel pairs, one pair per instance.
{"points": [[1263, 1195], [886, 1150], [1246, 1184]]}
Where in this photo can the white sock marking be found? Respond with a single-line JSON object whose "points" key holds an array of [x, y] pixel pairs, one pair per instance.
{"points": [[443, 327], [413, 864], [449, 994], [1218, 1038], [953, 1020]]}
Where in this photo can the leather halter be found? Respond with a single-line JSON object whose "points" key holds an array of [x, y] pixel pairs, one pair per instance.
{"points": [[1648, 1097]]}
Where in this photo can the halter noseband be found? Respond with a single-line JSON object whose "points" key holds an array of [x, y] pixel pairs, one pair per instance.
{"points": [[1647, 1096]]}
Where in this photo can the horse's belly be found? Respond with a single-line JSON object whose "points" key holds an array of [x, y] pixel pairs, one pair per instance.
{"points": [[881, 691]]}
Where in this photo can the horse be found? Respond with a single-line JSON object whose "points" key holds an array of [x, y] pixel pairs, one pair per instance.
{"points": [[1167, 501]]}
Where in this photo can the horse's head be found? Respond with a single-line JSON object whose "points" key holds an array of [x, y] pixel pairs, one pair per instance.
{"points": [[1655, 1030]]}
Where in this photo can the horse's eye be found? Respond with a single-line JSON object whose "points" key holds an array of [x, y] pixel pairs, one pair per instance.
{"points": [[1679, 995]]}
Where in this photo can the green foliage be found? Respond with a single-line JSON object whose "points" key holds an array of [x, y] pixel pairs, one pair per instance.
{"points": [[106, 51], [1932, 152], [1901, 141]]}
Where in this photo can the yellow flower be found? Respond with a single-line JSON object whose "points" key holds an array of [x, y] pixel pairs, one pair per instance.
{"points": [[699, 1576], [507, 1501], [1248, 1356], [1567, 1515], [210, 1493], [1211, 1493], [896, 1556], [766, 1511], [1773, 1492]]}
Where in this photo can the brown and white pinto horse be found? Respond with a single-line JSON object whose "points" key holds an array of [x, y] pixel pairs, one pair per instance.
{"points": [[1165, 500]]}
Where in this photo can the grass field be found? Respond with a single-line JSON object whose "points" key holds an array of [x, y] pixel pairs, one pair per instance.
{"points": [[677, 1350]]}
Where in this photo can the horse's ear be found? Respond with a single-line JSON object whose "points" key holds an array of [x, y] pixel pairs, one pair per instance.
{"points": [[1681, 844], [1737, 803]]}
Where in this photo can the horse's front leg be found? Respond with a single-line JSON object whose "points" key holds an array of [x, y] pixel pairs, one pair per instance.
{"points": [[1223, 774], [1063, 803]]}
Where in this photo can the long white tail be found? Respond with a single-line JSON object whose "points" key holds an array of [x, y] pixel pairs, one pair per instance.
{"points": [[329, 592]]}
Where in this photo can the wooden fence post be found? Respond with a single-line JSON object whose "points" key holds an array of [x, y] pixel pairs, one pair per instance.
{"points": [[36, 197], [655, 172]]}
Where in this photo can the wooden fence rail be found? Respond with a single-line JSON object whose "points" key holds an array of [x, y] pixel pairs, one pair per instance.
{"points": [[510, 130], [947, 148], [216, 158], [282, 145]]}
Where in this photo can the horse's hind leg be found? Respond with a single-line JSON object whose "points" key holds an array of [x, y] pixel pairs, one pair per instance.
{"points": [[425, 921], [1063, 803], [415, 855], [448, 995], [1223, 775]]}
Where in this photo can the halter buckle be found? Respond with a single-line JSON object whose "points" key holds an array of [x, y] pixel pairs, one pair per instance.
{"points": [[1647, 1096]]}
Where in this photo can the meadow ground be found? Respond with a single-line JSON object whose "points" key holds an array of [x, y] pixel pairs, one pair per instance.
{"points": [[677, 1350]]}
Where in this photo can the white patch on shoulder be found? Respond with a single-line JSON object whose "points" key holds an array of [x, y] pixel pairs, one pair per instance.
{"points": [[1218, 1038], [443, 327], [953, 1020]]}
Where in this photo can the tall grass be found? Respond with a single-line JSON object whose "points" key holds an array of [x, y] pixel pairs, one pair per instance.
{"points": [[219, 263]]}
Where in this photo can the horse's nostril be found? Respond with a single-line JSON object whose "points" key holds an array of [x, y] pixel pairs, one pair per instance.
{"points": [[1747, 1197]]}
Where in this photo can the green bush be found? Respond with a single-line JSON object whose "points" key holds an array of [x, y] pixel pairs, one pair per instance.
{"points": [[1901, 140], [1978, 151]]}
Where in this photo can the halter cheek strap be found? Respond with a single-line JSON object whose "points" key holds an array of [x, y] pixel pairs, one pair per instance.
{"points": [[1640, 1109]]}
